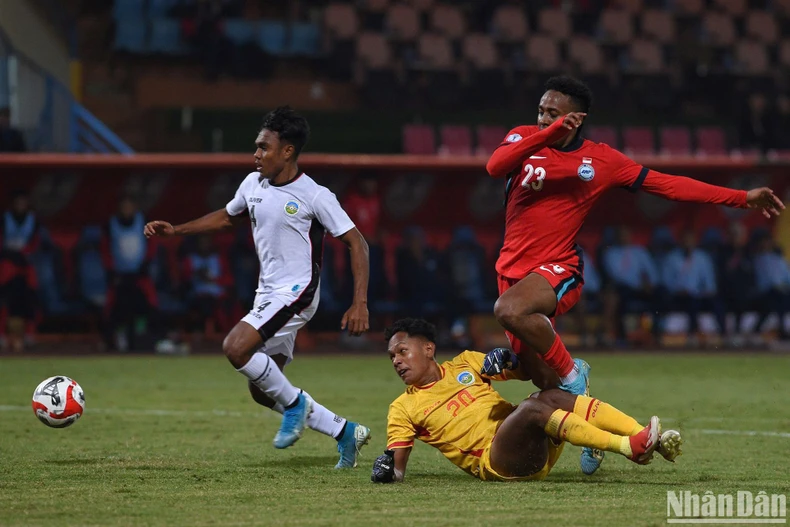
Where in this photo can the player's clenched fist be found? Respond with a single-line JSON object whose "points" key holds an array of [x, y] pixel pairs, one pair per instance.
{"points": [[499, 360], [384, 468], [158, 228], [573, 120]]}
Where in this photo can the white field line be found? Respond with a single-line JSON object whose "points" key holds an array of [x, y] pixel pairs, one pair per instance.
{"points": [[225, 413]]}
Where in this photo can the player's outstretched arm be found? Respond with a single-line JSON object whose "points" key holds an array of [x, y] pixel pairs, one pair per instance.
{"points": [[680, 188], [357, 318], [509, 156], [214, 221]]}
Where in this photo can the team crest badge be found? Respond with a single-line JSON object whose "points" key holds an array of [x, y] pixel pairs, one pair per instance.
{"points": [[586, 172], [291, 208], [465, 378]]}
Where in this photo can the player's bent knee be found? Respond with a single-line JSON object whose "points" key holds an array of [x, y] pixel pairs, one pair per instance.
{"points": [[531, 411], [506, 312]]}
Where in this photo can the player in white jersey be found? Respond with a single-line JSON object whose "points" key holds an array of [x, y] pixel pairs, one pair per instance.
{"points": [[289, 213]]}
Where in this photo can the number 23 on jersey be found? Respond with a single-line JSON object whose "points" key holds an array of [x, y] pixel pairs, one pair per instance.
{"points": [[533, 177]]}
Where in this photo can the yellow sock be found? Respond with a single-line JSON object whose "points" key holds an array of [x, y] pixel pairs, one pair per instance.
{"points": [[569, 427], [605, 416]]}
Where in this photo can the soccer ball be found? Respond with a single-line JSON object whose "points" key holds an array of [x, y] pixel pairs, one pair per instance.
{"points": [[58, 401]]}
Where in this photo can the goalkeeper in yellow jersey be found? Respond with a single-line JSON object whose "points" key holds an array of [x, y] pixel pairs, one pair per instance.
{"points": [[452, 407]]}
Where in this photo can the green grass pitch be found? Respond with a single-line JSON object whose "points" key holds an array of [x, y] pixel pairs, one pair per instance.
{"points": [[178, 441]]}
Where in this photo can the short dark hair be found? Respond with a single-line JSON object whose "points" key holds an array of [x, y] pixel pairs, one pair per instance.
{"points": [[289, 125], [578, 91], [414, 327]]}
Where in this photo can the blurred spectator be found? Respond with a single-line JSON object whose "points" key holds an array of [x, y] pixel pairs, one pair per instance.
{"points": [[420, 280], [11, 139], [363, 204], [465, 260], [20, 232], [591, 302], [758, 124], [633, 279], [736, 276], [689, 279], [206, 278], [131, 297], [773, 284]]}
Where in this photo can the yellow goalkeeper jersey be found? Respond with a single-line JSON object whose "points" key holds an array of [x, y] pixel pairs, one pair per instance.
{"points": [[458, 414]]}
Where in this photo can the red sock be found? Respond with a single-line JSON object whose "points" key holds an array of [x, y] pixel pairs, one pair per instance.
{"points": [[558, 357]]}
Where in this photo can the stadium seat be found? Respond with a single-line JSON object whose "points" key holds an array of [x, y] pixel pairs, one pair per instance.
{"points": [[732, 7], [603, 134], [616, 26], [239, 31], [271, 36], [166, 37], [543, 53], [509, 23], [711, 141], [761, 25], [305, 39], [126, 9], [456, 140], [341, 20], [645, 56], [718, 28], [418, 139], [373, 50], [160, 8], [403, 23], [784, 53], [422, 5], [638, 140], [751, 57], [489, 137], [675, 140], [375, 6], [480, 51], [449, 21], [585, 54], [688, 7], [782, 6], [632, 6], [130, 35], [434, 52], [554, 22], [659, 25]]}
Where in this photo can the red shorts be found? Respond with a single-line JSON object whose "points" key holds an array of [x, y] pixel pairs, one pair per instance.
{"points": [[565, 279]]}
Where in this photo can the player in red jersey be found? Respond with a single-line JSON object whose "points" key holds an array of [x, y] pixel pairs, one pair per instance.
{"points": [[554, 177]]}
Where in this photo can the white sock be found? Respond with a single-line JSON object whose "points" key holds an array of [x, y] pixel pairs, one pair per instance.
{"points": [[320, 419], [265, 374], [574, 373]]}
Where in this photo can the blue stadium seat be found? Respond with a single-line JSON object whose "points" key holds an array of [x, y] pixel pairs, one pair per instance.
{"points": [[239, 31], [166, 37], [271, 36], [157, 8], [305, 39], [130, 35], [125, 9]]}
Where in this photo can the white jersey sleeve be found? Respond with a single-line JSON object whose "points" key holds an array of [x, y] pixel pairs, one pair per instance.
{"points": [[238, 205], [331, 215]]}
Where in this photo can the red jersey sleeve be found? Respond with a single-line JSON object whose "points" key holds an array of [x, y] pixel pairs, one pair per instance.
{"points": [[520, 143], [631, 175]]}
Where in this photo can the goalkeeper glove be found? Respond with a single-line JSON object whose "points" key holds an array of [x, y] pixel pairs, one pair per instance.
{"points": [[499, 360], [384, 468]]}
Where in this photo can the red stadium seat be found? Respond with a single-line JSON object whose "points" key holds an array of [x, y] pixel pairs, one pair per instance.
{"points": [[456, 140], [603, 134], [418, 139], [638, 140], [489, 137], [675, 140], [711, 141]]}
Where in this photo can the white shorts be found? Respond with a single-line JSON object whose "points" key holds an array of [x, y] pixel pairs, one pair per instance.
{"points": [[277, 317]]}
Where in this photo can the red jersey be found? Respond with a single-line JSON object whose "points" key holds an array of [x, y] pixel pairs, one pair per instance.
{"points": [[550, 191]]}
